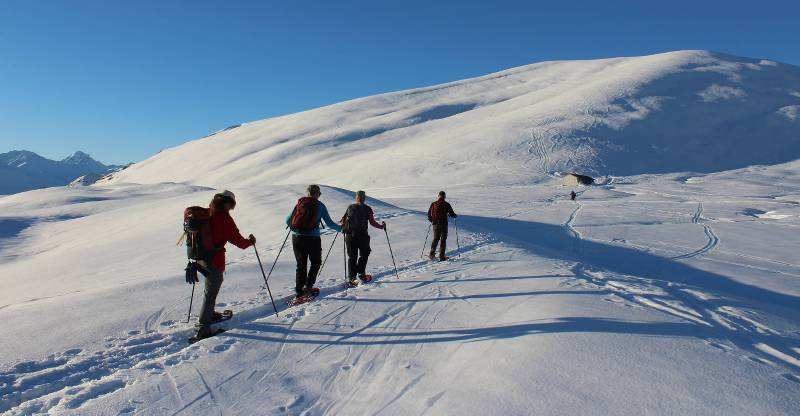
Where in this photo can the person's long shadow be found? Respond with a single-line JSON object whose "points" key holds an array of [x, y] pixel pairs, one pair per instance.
{"points": [[475, 296], [397, 336], [443, 280]]}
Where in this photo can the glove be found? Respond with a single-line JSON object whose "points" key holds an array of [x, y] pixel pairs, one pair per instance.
{"points": [[191, 273], [252, 239]]}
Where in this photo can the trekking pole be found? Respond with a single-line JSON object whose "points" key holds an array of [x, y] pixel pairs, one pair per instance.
{"points": [[189, 315], [276, 257], [270, 272], [326, 256], [392, 253], [425, 244], [344, 256], [455, 220]]}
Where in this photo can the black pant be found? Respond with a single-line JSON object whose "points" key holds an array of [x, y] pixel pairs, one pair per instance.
{"points": [[213, 283], [306, 247], [357, 254], [439, 236]]}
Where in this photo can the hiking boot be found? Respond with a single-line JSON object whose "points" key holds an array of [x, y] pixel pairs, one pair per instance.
{"points": [[352, 282], [432, 256], [444, 258], [314, 291], [204, 332]]}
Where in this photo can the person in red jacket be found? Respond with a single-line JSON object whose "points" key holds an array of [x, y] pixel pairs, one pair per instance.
{"points": [[223, 230]]}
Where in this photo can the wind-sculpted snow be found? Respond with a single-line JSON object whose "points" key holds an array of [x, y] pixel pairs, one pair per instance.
{"points": [[673, 112]]}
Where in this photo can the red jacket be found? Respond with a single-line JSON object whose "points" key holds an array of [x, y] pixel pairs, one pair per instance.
{"points": [[225, 231]]}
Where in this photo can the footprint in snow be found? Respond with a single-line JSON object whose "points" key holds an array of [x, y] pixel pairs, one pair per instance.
{"points": [[173, 361], [221, 348]]}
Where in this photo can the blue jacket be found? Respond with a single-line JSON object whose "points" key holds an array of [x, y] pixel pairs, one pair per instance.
{"points": [[322, 214]]}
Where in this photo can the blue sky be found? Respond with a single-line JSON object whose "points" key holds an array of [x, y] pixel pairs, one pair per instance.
{"points": [[123, 80]]}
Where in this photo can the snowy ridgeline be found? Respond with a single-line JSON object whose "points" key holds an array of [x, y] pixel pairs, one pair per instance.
{"points": [[23, 170], [673, 112], [668, 293]]}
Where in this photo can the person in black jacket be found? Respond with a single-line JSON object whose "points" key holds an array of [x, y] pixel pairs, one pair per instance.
{"points": [[437, 215], [356, 237]]}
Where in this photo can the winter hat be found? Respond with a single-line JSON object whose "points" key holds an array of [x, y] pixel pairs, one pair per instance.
{"points": [[228, 194], [222, 198]]}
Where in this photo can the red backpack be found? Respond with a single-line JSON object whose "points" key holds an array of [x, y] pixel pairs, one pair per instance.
{"points": [[304, 217], [439, 211], [199, 238]]}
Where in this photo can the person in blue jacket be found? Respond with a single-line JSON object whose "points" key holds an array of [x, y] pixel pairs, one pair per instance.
{"points": [[306, 242]]}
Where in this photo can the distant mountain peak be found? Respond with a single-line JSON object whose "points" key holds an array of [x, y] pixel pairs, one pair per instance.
{"points": [[78, 158], [22, 170]]}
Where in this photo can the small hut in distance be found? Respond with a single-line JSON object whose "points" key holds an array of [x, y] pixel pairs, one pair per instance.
{"points": [[574, 179]]}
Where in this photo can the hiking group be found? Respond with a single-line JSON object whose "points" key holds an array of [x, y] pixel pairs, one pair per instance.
{"points": [[208, 230]]}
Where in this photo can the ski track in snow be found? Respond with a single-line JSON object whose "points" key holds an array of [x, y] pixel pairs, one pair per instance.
{"points": [[538, 147], [739, 327], [713, 240]]}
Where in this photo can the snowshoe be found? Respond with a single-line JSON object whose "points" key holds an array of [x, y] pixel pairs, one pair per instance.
{"points": [[222, 316], [366, 278], [201, 335], [218, 317], [308, 296], [351, 283]]}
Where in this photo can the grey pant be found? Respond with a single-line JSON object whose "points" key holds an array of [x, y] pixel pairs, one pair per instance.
{"points": [[440, 239], [213, 279], [357, 254]]}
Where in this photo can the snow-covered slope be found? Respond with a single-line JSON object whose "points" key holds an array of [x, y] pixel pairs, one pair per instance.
{"points": [[22, 170], [668, 293], [659, 294], [672, 112]]}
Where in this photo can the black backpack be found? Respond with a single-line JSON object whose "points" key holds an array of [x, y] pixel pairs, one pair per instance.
{"points": [[356, 219]]}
